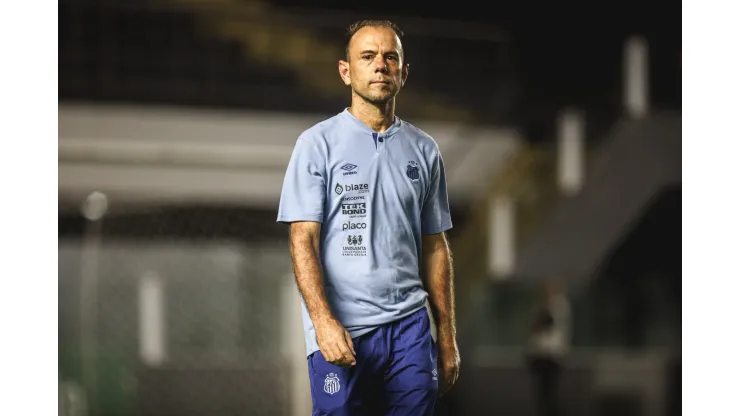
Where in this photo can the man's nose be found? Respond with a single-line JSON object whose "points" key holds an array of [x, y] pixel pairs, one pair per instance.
{"points": [[381, 65]]}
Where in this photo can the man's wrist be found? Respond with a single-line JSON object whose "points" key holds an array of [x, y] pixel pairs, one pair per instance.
{"points": [[320, 317], [446, 330]]}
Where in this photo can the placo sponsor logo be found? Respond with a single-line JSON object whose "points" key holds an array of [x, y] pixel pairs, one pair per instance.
{"points": [[349, 225]]}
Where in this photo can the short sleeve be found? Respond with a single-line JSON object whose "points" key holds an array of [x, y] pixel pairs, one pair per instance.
{"points": [[304, 187], [435, 214]]}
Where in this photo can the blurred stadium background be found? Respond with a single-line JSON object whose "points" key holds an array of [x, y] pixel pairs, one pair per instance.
{"points": [[560, 126]]}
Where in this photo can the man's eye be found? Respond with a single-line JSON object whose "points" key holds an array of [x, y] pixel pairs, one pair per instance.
{"points": [[367, 57], [393, 58]]}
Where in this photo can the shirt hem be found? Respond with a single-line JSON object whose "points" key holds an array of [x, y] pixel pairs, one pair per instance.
{"points": [[287, 219], [439, 229]]}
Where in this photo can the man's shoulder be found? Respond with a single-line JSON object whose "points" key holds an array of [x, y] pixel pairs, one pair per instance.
{"points": [[420, 137], [320, 130]]}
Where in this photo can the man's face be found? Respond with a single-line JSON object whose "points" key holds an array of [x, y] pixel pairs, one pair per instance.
{"points": [[375, 69]]}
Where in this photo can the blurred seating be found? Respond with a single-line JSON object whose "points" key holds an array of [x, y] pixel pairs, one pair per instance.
{"points": [[241, 54], [128, 52]]}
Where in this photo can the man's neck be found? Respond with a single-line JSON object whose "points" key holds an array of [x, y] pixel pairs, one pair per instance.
{"points": [[379, 118]]}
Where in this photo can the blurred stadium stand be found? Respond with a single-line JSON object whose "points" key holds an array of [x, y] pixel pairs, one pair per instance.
{"points": [[184, 113]]}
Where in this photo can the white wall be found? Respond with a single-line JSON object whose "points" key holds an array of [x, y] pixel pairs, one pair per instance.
{"points": [[166, 154]]}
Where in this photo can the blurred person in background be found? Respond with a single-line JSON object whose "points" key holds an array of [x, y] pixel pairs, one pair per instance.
{"points": [[549, 341], [365, 195]]}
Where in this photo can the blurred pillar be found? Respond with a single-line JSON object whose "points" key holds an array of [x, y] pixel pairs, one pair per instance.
{"points": [[294, 349], [152, 334], [571, 147], [72, 401], [636, 85], [501, 237], [93, 209]]}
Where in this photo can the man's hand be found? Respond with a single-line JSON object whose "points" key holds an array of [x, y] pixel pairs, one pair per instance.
{"points": [[438, 281], [448, 364], [335, 343]]}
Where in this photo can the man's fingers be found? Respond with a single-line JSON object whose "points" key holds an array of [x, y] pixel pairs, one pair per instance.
{"points": [[452, 376], [327, 355], [443, 387], [338, 354], [349, 343], [339, 349], [346, 355], [331, 355], [448, 379], [448, 385]]}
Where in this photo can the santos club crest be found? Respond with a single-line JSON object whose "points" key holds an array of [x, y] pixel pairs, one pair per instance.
{"points": [[331, 383], [412, 171]]}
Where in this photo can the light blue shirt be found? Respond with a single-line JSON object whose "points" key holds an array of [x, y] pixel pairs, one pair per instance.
{"points": [[375, 195]]}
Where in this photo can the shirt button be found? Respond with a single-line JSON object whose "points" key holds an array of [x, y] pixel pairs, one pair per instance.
{"points": [[380, 139]]}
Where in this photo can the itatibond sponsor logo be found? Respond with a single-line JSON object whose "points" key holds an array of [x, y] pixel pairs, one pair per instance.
{"points": [[353, 210]]}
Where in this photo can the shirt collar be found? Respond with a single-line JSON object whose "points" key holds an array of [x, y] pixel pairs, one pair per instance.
{"points": [[393, 129]]}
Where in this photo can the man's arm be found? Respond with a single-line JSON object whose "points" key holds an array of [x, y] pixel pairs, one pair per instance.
{"points": [[438, 281], [304, 249], [334, 341]]}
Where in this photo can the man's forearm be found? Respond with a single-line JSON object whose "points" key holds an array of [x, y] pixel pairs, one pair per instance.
{"points": [[309, 279], [439, 284]]}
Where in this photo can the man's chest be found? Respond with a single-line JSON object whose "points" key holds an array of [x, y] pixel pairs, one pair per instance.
{"points": [[364, 176]]}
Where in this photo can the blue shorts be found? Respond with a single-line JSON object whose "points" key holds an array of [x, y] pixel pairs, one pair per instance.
{"points": [[395, 374]]}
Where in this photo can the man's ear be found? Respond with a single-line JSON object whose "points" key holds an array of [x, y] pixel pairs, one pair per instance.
{"points": [[344, 71], [404, 74]]}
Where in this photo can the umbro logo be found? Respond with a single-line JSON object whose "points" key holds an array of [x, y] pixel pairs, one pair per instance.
{"points": [[349, 169]]}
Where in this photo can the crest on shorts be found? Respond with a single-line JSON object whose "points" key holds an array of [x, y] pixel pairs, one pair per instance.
{"points": [[412, 171], [331, 383]]}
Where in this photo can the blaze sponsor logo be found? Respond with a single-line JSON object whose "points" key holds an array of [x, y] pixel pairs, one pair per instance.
{"points": [[360, 188]]}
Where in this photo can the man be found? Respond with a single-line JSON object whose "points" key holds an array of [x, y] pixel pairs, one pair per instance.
{"points": [[365, 195]]}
